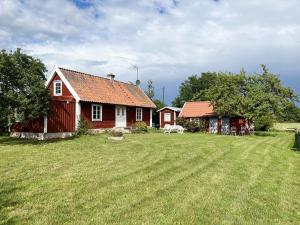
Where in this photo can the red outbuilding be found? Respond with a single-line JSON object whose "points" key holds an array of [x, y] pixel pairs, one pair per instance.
{"points": [[215, 123], [102, 102], [168, 115]]}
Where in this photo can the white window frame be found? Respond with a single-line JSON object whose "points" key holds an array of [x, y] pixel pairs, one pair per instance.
{"points": [[54, 89], [100, 113], [169, 120], [136, 114]]}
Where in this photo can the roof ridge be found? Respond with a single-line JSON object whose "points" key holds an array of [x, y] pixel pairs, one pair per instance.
{"points": [[96, 76]]}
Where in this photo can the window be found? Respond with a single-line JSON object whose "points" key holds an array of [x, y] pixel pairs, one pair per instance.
{"points": [[57, 88], [167, 117], [139, 114], [96, 112]]}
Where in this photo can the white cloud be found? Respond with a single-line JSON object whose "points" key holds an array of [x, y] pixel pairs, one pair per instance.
{"points": [[168, 41]]}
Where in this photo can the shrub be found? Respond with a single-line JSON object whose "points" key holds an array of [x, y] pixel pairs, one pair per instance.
{"points": [[263, 124], [194, 125], [139, 127], [83, 127]]}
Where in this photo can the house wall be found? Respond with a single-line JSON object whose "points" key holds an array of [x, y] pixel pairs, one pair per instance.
{"points": [[131, 115], [62, 118], [108, 116], [36, 125], [162, 117], [66, 94]]}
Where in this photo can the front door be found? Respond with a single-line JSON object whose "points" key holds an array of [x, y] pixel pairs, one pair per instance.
{"points": [[120, 116], [225, 125], [213, 125]]}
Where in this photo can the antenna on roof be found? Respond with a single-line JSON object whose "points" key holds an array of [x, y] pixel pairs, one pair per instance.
{"points": [[138, 82], [135, 66]]}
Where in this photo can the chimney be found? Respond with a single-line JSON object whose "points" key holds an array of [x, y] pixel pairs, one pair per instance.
{"points": [[137, 83], [111, 76]]}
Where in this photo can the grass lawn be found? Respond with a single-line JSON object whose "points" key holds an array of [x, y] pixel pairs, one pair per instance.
{"points": [[151, 179], [284, 126]]}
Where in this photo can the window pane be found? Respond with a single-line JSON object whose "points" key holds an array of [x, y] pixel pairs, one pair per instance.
{"points": [[167, 117]]}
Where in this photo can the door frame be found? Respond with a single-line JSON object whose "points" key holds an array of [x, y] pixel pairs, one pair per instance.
{"points": [[116, 115]]}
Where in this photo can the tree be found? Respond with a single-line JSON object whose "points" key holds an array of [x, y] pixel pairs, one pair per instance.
{"points": [[23, 93], [191, 88], [150, 89], [258, 97]]}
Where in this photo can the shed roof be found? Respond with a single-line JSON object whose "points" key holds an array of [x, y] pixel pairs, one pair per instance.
{"points": [[176, 109], [197, 109]]}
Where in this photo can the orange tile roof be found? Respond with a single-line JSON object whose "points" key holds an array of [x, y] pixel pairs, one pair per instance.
{"points": [[197, 109], [92, 88]]}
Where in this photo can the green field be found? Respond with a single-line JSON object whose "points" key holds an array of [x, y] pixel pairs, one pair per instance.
{"points": [[284, 126], [151, 179]]}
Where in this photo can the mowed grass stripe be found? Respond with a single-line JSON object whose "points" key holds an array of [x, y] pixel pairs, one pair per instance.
{"points": [[151, 179]]}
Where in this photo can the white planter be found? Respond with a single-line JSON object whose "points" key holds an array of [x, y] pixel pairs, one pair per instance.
{"points": [[116, 138]]}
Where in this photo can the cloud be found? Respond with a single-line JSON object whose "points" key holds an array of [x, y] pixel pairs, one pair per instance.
{"points": [[168, 39]]}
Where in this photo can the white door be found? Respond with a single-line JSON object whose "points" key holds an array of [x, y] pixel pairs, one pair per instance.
{"points": [[120, 116], [225, 125], [213, 125]]}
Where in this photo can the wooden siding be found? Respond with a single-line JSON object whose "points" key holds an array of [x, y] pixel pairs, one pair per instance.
{"points": [[108, 115], [162, 117], [131, 116], [62, 118], [36, 125], [66, 94]]}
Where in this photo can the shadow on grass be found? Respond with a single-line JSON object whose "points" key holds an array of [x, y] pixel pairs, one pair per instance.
{"points": [[8, 200], [265, 134], [296, 146], [23, 141]]}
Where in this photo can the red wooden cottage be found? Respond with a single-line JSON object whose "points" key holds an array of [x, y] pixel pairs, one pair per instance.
{"points": [[102, 102], [168, 115], [214, 123]]}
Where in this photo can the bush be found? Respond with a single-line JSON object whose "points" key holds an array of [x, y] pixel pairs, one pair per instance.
{"points": [[83, 127], [194, 125], [114, 133], [263, 124], [139, 127]]}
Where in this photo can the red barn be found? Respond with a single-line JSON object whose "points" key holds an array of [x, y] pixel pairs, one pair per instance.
{"points": [[102, 102], [214, 123], [168, 115]]}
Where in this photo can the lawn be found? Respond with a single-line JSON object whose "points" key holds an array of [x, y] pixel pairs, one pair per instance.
{"points": [[284, 126], [151, 179]]}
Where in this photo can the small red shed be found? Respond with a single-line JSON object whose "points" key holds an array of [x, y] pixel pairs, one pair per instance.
{"points": [[168, 115]]}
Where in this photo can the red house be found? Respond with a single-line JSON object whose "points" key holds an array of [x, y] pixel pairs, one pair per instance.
{"points": [[102, 102], [168, 115], [214, 123]]}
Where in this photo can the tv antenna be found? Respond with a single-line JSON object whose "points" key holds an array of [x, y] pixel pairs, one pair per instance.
{"points": [[135, 66]]}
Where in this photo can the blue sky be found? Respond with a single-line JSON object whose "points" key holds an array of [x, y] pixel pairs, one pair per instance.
{"points": [[169, 39]]}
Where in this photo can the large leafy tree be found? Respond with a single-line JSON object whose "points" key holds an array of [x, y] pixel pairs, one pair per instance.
{"points": [[259, 97], [23, 95], [190, 89]]}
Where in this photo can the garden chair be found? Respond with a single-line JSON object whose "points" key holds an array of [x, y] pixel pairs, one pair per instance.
{"points": [[233, 131], [243, 131]]}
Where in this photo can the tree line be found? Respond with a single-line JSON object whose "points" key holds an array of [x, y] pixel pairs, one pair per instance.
{"points": [[260, 97]]}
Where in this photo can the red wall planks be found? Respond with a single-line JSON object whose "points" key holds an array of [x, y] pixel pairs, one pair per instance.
{"points": [[108, 115], [162, 117], [62, 118]]}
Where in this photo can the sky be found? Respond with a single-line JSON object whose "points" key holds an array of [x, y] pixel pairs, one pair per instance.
{"points": [[168, 40]]}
